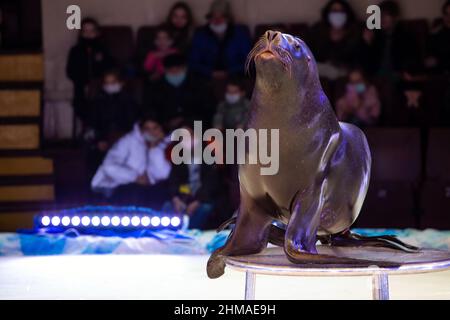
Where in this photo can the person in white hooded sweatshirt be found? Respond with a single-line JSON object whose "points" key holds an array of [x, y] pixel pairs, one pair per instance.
{"points": [[135, 169]]}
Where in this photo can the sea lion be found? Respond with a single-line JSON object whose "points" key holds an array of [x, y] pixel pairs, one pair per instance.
{"points": [[324, 165]]}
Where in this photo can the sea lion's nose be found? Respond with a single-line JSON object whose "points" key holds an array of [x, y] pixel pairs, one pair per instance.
{"points": [[272, 35]]}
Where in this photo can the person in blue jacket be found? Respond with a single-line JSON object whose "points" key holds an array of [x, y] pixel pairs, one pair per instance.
{"points": [[220, 47]]}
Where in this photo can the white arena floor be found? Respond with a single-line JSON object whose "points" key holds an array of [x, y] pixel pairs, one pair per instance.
{"points": [[183, 277]]}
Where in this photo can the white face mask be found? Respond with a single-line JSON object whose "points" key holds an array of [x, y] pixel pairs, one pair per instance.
{"points": [[219, 28], [337, 19], [112, 88], [149, 137], [232, 98]]}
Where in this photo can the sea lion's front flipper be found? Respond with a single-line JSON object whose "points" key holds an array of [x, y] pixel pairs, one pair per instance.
{"points": [[351, 239], [250, 235]]}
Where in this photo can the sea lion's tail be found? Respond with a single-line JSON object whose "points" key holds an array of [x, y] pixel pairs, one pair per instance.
{"points": [[347, 239], [351, 239]]}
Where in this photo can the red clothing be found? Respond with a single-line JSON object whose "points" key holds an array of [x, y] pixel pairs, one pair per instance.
{"points": [[154, 63]]}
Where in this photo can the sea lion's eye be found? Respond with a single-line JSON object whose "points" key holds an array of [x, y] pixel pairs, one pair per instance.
{"points": [[297, 46]]}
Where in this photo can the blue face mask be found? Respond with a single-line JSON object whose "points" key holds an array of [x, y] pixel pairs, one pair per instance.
{"points": [[175, 79], [360, 87]]}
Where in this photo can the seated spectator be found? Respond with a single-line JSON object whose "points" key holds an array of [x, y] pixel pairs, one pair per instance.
{"points": [[438, 59], [219, 48], [178, 95], [113, 111], [136, 168], [180, 22], [335, 40], [193, 188], [360, 103], [87, 60], [392, 50], [163, 43], [232, 112]]}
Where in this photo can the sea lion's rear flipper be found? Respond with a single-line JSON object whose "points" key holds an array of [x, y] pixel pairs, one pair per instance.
{"points": [[350, 239]]}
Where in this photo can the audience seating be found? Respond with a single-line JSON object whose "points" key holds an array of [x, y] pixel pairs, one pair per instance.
{"points": [[435, 198], [396, 167]]}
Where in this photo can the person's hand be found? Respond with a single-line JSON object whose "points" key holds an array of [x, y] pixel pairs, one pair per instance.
{"points": [[178, 204], [368, 36], [102, 146], [192, 207], [143, 180], [219, 74]]}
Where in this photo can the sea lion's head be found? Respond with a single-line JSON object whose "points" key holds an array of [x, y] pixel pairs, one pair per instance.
{"points": [[280, 57]]}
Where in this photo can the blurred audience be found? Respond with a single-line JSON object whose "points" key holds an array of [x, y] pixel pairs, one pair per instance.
{"points": [[163, 44], [193, 187], [382, 74], [219, 48], [87, 60], [233, 110], [180, 24], [360, 104], [136, 168], [178, 95], [335, 40], [392, 50]]}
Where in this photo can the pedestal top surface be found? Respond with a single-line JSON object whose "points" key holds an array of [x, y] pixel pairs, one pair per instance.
{"points": [[273, 261]]}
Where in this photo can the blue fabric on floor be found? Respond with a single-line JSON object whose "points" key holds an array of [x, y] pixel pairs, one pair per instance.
{"points": [[170, 242]]}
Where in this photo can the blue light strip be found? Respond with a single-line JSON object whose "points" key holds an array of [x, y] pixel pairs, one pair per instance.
{"points": [[108, 217]]}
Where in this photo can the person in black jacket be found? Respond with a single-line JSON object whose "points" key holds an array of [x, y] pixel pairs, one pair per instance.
{"points": [[179, 96], [113, 111], [392, 50], [87, 60], [193, 188]]}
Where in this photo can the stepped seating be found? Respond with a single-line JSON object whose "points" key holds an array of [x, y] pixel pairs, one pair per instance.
{"points": [[396, 167], [26, 176], [435, 196]]}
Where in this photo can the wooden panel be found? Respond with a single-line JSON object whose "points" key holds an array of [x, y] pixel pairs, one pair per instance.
{"points": [[12, 221], [20, 103], [19, 137], [21, 67], [21, 166], [27, 193]]}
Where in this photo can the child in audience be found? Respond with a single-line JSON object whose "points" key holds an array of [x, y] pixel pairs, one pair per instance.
{"points": [[163, 43], [193, 187], [136, 169], [113, 111], [232, 112], [360, 104]]}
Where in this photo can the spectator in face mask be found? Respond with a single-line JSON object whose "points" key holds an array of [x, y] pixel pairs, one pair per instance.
{"points": [[163, 44], [232, 112], [219, 48], [360, 103], [114, 111], [193, 187], [87, 60], [334, 40], [178, 95], [136, 168]]}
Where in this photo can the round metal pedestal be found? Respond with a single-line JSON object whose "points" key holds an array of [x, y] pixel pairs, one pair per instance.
{"points": [[273, 261]]}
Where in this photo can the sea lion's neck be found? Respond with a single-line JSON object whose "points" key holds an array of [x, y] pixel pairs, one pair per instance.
{"points": [[287, 100]]}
